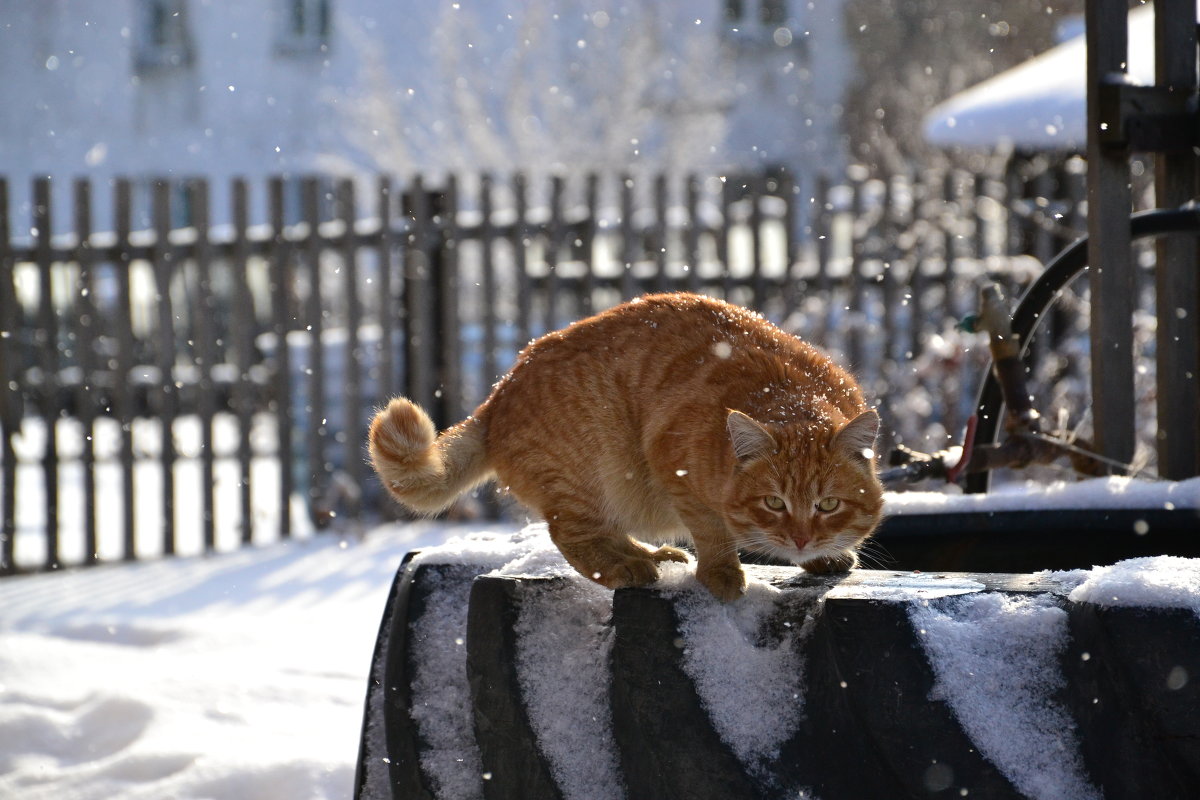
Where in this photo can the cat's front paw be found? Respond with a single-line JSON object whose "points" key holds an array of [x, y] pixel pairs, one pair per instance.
{"points": [[620, 573], [726, 582], [842, 562], [667, 553]]}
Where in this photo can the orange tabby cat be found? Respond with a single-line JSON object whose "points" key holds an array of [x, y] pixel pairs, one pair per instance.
{"points": [[671, 416]]}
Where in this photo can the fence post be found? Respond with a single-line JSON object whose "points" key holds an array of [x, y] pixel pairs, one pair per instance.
{"points": [[723, 242], [1109, 253], [282, 277], [588, 243], [1177, 286], [163, 262], [387, 312], [788, 189], [10, 401], [318, 466], [855, 311], [554, 241], [353, 424], [243, 329], [628, 250], [822, 213], [206, 358], [520, 244], [660, 232], [754, 190], [447, 328], [487, 235], [86, 392], [917, 278], [691, 233], [47, 339], [123, 397]]}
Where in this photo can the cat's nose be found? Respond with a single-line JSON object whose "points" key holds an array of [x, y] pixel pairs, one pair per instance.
{"points": [[801, 539]]}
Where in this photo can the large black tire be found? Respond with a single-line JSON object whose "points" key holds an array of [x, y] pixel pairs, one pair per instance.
{"points": [[872, 725]]}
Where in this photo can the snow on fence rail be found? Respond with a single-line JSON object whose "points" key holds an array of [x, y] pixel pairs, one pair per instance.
{"points": [[193, 388]]}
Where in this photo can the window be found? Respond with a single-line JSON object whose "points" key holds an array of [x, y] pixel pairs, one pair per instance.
{"points": [[746, 14], [163, 40], [305, 26], [773, 13]]}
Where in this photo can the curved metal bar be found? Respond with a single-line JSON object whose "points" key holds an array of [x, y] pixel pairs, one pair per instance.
{"points": [[1031, 309]]}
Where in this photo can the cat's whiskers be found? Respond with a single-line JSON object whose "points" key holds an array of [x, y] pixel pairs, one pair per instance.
{"points": [[756, 540], [873, 555]]}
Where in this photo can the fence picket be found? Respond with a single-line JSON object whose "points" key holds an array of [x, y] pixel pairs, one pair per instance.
{"points": [[487, 242], [445, 258], [10, 401], [787, 189], [162, 261], [314, 313], [691, 233], [86, 391], [352, 424], [122, 382], [628, 246], [552, 252], [587, 244], [658, 238], [520, 235], [385, 358], [282, 286], [206, 359], [47, 338], [242, 331]]}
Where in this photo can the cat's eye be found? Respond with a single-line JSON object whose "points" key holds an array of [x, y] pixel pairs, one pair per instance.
{"points": [[775, 503], [828, 504]]}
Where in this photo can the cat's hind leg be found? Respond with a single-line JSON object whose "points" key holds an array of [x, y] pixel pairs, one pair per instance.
{"points": [[608, 556]]}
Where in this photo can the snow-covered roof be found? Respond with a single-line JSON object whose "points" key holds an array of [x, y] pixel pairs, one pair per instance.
{"points": [[1040, 104]]}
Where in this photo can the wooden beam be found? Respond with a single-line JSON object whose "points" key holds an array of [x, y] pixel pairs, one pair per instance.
{"points": [[1176, 285], [1109, 254]]}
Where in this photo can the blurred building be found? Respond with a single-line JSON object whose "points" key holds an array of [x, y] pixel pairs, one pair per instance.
{"points": [[224, 88]]}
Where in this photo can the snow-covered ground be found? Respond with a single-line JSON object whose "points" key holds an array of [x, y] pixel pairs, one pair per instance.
{"points": [[238, 676]]}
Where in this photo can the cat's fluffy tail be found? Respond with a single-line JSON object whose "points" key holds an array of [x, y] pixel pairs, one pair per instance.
{"points": [[423, 470]]}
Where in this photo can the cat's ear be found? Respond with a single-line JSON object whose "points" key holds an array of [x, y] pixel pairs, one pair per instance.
{"points": [[750, 438], [857, 439]]}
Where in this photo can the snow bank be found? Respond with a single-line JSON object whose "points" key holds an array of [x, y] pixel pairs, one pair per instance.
{"points": [[996, 662], [1112, 492]]}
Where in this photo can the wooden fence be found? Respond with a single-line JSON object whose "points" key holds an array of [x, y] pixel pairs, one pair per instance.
{"points": [[178, 390]]}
